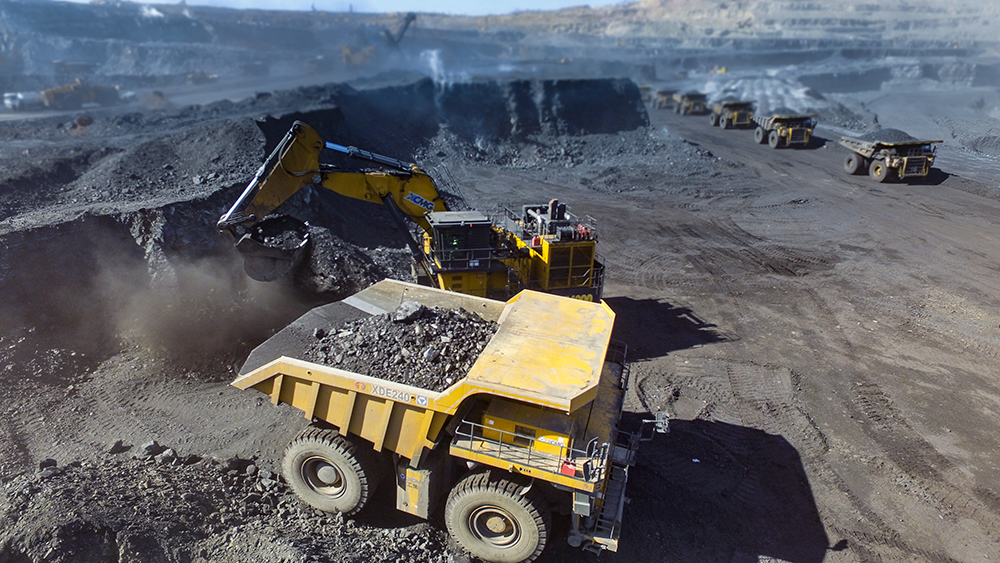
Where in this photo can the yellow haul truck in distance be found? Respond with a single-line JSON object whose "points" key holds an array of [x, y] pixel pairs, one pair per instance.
{"points": [[889, 160], [532, 430], [689, 102], [663, 98], [784, 130], [730, 113]]}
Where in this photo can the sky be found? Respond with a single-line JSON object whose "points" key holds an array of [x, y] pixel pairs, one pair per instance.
{"points": [[427, 6]]}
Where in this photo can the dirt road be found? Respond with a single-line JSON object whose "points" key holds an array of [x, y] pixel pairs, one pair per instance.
{"points": [[855, 324], [826, 345]]}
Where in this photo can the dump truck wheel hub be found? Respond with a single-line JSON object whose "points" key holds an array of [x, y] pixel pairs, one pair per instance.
{"points": [[323, 477], [494, 525], [328, 474]]}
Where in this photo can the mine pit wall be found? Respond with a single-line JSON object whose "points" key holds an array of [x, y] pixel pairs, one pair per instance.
{"points": [[399, 121]]}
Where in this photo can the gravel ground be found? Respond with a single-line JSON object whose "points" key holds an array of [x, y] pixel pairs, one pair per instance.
{"points": [[150, 503]]}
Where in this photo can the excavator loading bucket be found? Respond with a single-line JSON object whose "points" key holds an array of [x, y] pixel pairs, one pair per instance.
{"points": [[274, 247]]}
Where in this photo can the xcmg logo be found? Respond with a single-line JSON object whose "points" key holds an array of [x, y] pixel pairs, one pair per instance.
{"points": [[422, 202]]}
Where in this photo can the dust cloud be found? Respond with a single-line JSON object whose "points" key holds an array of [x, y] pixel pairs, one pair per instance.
{"points": [[201, 311]]}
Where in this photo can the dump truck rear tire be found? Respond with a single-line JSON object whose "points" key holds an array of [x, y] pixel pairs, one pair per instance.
{"points": [[489, 514], [677, 108], [329, 472], [878, 171], [775, 140], [854, 164], [760, 135], [713, 119]]}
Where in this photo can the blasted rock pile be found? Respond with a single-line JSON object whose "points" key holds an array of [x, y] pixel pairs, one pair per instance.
{"points": [[429, 348]]}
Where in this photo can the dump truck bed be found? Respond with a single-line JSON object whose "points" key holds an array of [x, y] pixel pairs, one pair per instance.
{"points": [[869, 148], [770, 121], [548, 351]]}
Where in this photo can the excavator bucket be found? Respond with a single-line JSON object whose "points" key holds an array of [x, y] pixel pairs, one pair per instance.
{"points": [[274, 247]]}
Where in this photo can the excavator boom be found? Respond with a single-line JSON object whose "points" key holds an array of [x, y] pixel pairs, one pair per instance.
{"points": [[272, 245], [294, 164]]}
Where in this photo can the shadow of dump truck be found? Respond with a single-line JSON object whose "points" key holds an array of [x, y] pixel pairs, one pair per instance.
{"points": [[713, 491]]}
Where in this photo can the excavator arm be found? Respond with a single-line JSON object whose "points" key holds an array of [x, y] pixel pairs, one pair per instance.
{"points": [[271, 245]]}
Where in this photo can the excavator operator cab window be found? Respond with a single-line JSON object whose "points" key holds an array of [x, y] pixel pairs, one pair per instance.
{"points": [[461, 239]]}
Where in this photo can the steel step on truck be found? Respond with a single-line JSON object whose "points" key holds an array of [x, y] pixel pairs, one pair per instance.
{"points": [[530, 431], [889, 160]]}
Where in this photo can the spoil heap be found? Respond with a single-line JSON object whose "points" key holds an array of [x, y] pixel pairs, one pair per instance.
{"points": [[427, 348]]}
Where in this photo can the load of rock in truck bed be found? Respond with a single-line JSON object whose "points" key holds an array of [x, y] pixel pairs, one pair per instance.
{"points": [[429, 348]]}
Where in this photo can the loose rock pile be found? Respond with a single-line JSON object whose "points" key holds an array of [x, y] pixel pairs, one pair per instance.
{"points": [[427, 348], [887, 136], [158, 505]]}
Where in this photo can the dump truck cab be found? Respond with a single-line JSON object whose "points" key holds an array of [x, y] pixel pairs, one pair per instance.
{"points": [[532, 429]]}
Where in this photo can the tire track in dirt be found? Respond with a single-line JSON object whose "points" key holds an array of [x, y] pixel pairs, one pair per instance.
{"points": [[715, 250], [762, 397], [757, 396], [920, 470], [910, 475], [923, 472]]}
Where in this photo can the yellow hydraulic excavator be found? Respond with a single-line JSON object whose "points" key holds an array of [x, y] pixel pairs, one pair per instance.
{"points": [[541, 247]]}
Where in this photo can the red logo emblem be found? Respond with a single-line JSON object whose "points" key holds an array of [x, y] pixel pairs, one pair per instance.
{"points": [[360, 386]]}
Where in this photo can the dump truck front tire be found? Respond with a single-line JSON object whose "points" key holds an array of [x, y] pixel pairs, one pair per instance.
{"points": [[775, 140], [496, 520], [760, 135], [329, 472], [854, 164], [878, 171], [724, 122]]}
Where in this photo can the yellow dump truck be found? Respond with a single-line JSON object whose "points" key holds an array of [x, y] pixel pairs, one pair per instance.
{"points": [[70, 96], [663, 98], [689, 102], [784, 129], [889, 159], [730, 113], [532, 429]]}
